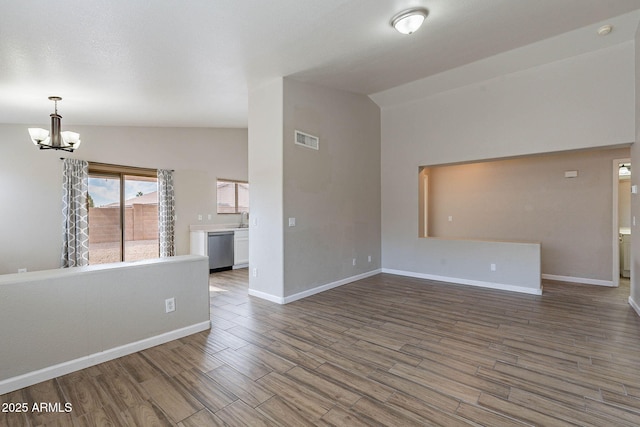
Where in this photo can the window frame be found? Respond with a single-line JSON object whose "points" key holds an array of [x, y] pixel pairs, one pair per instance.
{"points": [[236, 211], [120, 172]]}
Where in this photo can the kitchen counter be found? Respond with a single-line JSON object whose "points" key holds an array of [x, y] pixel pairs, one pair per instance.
{"points": [[216, 227]]}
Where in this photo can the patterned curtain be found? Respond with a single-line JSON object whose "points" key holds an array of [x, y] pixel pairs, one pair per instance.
{"points": [[166, 213], [75, 214]]}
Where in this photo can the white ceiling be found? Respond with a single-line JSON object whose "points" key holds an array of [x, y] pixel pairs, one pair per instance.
{"points": [[191, 62]]}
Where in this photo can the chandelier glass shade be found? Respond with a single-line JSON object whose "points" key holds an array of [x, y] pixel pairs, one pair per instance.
{"points": [[55, 139]]}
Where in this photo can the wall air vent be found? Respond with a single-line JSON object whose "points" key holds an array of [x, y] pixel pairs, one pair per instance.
{"points": [[307, 140]]}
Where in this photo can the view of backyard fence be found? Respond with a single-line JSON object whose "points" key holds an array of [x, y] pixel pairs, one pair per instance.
{"points": [[141, 232]]}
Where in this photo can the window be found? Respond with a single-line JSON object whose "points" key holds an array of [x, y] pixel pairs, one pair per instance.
{"points": [[123, 214], [233, 196]]}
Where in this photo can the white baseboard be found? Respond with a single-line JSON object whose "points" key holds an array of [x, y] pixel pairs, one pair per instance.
{"points": [[237, 266], [331, 285], [266, 296], [581, 280], [635, 306], [15, 383], [482, 284], [316, 290]]}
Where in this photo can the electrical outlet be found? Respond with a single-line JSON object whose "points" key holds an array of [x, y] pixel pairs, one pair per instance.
{"points": [[450, 218], [369, 258], [22, 270], [354, 261], [255, 272], [493, 267], [169, 305], [209, 216], [292, 222], [199, 217]]}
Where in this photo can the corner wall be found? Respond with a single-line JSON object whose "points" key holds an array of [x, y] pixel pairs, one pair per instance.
{"points": [[334, 192], [266, 253], [634, 298]]}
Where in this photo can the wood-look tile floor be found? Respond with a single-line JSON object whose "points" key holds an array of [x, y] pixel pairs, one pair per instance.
{"points": [[384, 351]]}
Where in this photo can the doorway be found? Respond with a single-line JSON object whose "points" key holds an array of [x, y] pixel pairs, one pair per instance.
{"points": [[622, 220], [123, 217]]}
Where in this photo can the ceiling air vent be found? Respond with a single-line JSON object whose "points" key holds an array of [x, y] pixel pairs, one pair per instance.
{"points": [[307, 140]]}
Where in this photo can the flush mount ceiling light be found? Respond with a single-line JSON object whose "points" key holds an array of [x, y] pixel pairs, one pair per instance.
{"points": [[605, 29], [408, 21], [66, 141], [624, 169]]}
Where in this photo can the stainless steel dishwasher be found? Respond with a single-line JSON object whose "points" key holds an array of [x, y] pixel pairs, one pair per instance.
{"points": [[220, 249]]}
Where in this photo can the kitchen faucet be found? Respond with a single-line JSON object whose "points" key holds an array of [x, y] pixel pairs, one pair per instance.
{"points": [[244, 219]]}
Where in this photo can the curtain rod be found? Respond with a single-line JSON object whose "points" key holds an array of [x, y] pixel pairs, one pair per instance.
{"points": [[117, 166]]}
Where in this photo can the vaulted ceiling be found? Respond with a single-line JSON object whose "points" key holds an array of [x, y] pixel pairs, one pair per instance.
{"points": [[192, 62]]}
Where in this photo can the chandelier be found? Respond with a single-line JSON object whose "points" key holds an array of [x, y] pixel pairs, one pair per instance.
{"points": [[56, 140]]}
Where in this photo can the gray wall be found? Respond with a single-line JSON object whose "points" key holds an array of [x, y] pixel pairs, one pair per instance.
{"points": [[334, 192], [530, 199], [31, 213], [635, 180], [63, 315], [579, 102], [265, 176]]}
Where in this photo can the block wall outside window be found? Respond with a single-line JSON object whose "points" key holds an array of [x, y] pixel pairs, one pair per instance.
{"points": [[123, 214]]}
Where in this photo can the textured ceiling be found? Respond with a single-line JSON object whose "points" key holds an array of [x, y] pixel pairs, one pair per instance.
{"points": [[191, 62]]}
